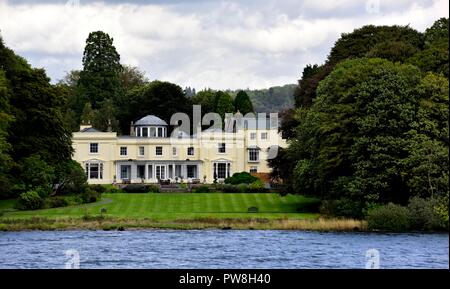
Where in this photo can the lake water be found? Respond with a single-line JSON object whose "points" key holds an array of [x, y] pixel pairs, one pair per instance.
{"points": [[221, 249]]}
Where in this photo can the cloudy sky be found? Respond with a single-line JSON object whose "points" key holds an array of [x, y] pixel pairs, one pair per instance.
{"points": [[199, 43]]}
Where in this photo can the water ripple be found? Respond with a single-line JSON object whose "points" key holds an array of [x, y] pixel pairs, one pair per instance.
{"points": [[221, 249]]}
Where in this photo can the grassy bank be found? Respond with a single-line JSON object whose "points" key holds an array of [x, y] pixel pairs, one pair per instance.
{"points": [[178, 211], [116, 223]]}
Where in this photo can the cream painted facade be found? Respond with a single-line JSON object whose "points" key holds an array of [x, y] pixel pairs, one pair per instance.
{"points": [[149, 155]]}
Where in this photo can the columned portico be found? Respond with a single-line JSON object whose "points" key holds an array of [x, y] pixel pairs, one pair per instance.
{"points": [[151, 171]]}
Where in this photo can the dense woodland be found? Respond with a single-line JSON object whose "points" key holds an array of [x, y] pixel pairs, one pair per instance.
{"points": [[273, 99], [370, 125]]}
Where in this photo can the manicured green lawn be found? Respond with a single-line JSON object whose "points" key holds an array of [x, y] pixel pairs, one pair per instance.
{"points": [[171, 206]]}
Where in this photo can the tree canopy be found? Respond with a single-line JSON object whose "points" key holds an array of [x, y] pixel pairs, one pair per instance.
{"points": [[159, 98], [223, 103], [100, 77], [242, 103], [31, 121], [394, 43], [372, 125]]}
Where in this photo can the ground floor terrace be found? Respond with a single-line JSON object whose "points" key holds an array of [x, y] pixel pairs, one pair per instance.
{"points": [[157, 171]]}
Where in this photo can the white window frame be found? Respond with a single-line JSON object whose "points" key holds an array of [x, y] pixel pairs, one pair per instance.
{"points": [[90, 148], [153, 132], [150, 171], [156, 151], [147, 132], [190, 151], [88, 166], [141, 153], [137, 171], [162, 171], [195, 171], [216, 170], [253, 152], [252, 135], [160, 132], [174, 151], [129, 172], [126, 151], [219, 147], [265, 136]]}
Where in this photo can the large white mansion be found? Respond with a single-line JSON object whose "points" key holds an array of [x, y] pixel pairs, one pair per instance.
{"points": [[148, 154]]}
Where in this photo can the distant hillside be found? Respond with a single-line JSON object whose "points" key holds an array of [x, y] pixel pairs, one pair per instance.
{"points": [[274, 99]]}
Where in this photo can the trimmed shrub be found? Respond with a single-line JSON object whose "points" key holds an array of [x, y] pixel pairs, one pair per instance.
{"points": [[30, 201], [183, 186], [141, 188], [153, 189], [388, 217], [98, 188], [241, 178], [136, 188], [90, 196], [256, 187], [228, 188], [55, 202], [242, 188], [422, 214], [112, 189], [253, 210], [202, 189]]}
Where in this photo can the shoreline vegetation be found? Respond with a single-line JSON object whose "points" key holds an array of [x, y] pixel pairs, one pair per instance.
{"points": [[121, 224]]}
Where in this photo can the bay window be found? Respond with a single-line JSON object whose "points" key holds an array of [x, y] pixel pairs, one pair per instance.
{"points": [[94, 170]]}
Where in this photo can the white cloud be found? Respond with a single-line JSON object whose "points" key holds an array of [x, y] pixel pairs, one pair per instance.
{"points": [[227, 44]]}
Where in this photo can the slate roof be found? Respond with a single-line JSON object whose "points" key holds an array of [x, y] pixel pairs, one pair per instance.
{"points": [[151, 120], [90, 129]]}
